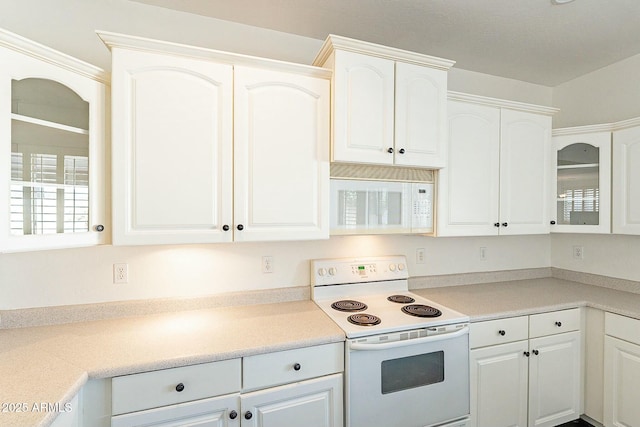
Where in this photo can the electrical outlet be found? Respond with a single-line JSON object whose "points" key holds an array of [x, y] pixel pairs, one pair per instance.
{"points": [[578, 252], [420, 256], [483, 254], [267, 264], [121, 273]]}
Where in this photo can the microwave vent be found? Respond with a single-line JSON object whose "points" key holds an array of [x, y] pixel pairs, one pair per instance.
{"points": [[381, 173]]}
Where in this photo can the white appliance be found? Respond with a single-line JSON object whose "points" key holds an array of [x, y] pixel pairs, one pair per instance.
{"points": [[374, 207], [406, 357]]}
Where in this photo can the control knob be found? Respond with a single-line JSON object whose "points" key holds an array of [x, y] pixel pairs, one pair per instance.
{"points": [[401, 266], [392, 267], [322, 272], [332, 271]]}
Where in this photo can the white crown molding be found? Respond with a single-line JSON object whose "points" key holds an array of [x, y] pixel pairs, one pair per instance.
{"points": [[502, 103], [43, 53], [122, 41], [602, 127], [334, 42]]}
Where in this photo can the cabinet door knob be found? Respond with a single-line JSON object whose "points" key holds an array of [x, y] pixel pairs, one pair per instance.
{"points": [[225, 227], [401, 151], [558, 324], [240, 227], [496, 224], [504, 224], [233, 415], [296, 367], [248, 415], [99, 228], [526, 353], [179, 387], [536, 352], [390, 150], [502, 332], [553, 223]]}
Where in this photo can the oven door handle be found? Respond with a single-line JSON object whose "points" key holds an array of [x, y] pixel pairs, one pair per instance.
{"points": [[415, 341]]}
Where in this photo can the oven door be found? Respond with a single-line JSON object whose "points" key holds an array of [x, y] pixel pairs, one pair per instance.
{"points": [[412, 383]]}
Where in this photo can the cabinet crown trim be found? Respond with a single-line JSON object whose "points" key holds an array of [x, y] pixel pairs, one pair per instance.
{"points": [[334, 42], [115, 40], [602, 127], [41, 52], [502, 103]]}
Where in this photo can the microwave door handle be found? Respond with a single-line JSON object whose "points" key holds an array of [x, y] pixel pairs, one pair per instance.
{"points": [[396, 344]]}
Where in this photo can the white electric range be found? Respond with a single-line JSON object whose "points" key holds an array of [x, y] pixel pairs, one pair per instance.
{"points": [[406, 357]]}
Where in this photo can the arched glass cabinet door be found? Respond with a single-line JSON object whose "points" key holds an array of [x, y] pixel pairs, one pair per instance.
{"points": [[49, 159], [52, 132], [582, 171]]}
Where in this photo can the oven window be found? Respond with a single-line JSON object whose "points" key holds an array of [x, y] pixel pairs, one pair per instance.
{"points": [[413, 371]]}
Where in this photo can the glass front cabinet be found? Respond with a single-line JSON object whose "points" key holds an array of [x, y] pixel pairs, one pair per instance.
{"points": [[52, 131], [582, 183]]}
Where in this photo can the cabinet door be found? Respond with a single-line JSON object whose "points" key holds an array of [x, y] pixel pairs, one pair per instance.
{"points": [[626, 181], [311, 403], [468, 196], [581, 181], [499, 385], [525, 147], [219, 411], [281, 156], [363, 102], [52, 127], [621, 391], [420, 116], [172, 149], [555, 379]]}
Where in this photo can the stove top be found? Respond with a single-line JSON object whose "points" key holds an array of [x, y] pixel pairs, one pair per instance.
{"points": [[370, 296]]}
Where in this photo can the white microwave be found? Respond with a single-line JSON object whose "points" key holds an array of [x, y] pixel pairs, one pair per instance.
{"points": [[378, 207]]}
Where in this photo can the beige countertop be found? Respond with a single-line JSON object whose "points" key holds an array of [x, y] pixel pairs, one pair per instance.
{"points": [[514, 298], [50, 364]]}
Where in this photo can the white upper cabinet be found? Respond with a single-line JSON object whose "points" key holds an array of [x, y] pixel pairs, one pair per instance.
{"points": [[363, 94], [497, 179], [626, 181], [525, 147], [206, 150], [172, 149], [468, 199], [281, 183], [581, 182], [52, 148], [389, 105], [420, 116]]}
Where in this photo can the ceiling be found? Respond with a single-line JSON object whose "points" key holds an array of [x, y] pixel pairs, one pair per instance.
{"points": [[530, 40]]}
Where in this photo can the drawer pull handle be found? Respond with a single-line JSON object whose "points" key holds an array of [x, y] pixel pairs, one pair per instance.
{"points": [[558, 324], [297, 367], [536, 352], [233, 415], [527, 354], [502, 332], [248, 415], [179, 387]]}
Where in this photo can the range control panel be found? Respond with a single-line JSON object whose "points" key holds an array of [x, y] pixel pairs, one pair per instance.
{"points": [[337, 271]]}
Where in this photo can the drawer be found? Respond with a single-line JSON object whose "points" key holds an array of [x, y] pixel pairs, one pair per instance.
{"points": [[555, 322], [622, 327], [499, 331], [147, 390], [266, 370]]}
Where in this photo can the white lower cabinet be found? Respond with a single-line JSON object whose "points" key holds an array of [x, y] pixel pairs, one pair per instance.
{"points": [[621, 371], [520, 377], [311, 403], [299, 387]]}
